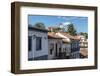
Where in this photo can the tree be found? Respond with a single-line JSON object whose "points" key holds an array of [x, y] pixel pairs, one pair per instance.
{"points": [[81, 33], [71, 29], [40, 25], [57, 29], [84, 34]]}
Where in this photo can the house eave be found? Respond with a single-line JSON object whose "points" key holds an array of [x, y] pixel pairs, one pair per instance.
{"points": [[37, 29]]}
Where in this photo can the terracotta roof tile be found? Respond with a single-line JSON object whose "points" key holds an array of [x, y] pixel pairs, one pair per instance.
{"points": [[83, 51], [65, 40], [53, 35], [70, 36], [67, 35]]}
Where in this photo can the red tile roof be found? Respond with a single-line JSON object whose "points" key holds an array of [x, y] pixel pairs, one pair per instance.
{"points": [[53, 35], [70, 36], [83, 51]]}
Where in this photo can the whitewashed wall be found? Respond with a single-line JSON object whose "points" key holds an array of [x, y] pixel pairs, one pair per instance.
{"points": [[44, 50], [68, 48], [54, 41], [51, 41]]}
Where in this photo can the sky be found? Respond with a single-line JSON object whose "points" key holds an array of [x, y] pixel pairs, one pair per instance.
{"points": [[80, 23]]}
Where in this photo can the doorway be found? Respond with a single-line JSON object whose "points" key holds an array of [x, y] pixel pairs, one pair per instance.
{"points": [[56, 49]]}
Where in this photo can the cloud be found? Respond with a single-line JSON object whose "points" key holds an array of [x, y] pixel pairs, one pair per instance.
{"points": [[65, 18], [66, 23], [70, 18]]}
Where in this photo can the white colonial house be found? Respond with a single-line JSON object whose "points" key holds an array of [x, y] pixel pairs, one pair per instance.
{"points": [[66, 46], [83, 47], [54, 46], [73, 49], [37, 44], [83, 41], [44, 45]]}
